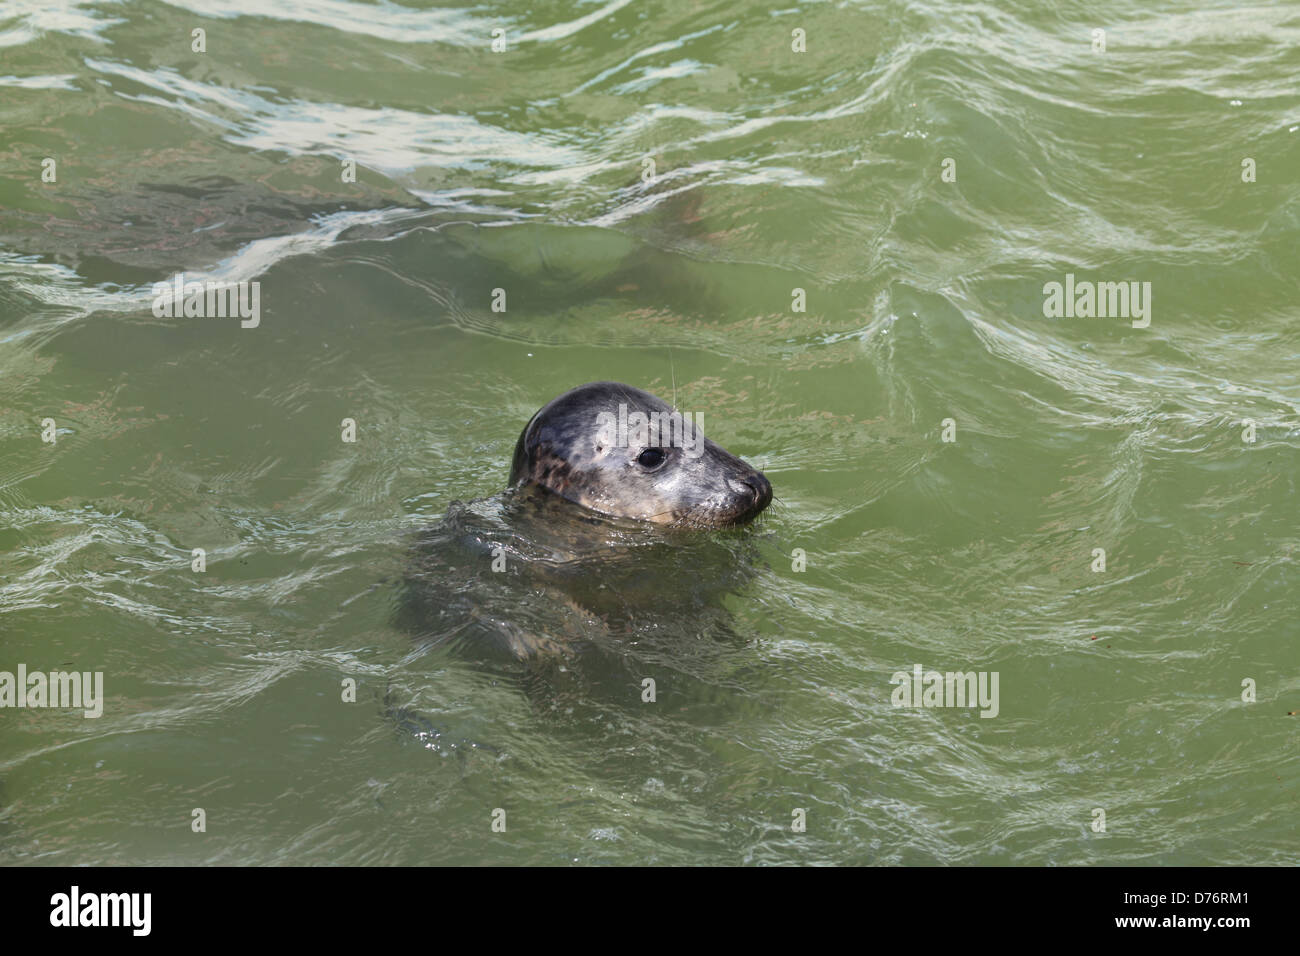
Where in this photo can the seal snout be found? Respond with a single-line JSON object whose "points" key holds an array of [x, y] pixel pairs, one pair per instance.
{"points": [[755, 487]]}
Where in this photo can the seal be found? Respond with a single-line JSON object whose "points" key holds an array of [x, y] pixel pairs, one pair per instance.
{"points": [[661, 469], [580, 556]]}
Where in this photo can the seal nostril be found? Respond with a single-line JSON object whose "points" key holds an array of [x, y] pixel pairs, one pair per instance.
{"points": [[754, 485], [740, 486]]}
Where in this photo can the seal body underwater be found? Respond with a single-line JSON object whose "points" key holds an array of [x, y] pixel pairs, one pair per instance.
{"points": [[595, 538]]}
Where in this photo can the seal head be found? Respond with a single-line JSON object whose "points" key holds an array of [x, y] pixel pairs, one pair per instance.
{"points": [[624, 452]]}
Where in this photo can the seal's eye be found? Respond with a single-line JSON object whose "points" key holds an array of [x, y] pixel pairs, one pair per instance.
{"points": [[651, 458]]}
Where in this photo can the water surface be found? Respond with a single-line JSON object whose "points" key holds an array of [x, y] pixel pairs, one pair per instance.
{"points": [[1120, 689]]}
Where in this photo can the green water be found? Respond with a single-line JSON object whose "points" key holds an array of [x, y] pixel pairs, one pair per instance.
{"points": [[1120, 689]]}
